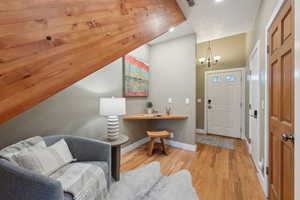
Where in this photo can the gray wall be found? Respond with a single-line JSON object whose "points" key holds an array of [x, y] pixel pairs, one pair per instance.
{"points": [[258, 33], [75, 110], [173, 75]]}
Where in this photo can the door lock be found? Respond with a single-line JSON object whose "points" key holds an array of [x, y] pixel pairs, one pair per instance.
{"points": [[209, 104], [286, 138]]}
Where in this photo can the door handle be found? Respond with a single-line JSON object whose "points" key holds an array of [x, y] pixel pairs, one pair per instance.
{"points": [[286, 138]]}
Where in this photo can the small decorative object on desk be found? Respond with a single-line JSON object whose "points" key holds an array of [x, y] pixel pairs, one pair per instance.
{"points": [[112, 108], [168, 110], [149, 106]]}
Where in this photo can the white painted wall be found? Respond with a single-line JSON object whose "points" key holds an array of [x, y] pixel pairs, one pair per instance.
{"points": [[173, 75], [297, 100]]}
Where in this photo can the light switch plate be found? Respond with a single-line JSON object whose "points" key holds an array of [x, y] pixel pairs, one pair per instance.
{"points": [[199, 100], [170, 100], [187, 101]]}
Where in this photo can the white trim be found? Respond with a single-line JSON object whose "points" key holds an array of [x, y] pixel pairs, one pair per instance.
{"points": [[181, 145], [243, 71], [266, 150], [259, 173], [134, 145], [263, 182], [248, 146], [201, 131], [172, 143], [260, 163]]}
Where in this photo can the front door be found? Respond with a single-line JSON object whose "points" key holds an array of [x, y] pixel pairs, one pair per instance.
{"points": [[254, 108], [281, 102], [224, 103]]}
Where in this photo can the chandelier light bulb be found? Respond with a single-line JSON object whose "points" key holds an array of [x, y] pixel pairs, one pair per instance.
{"points": [[217, 58], [202, 60]]}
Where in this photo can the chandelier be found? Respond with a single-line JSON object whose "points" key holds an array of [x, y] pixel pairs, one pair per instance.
{"points": [[210, 58]]}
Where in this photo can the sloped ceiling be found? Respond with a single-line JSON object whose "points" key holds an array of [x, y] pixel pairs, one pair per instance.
{"points": [[47, 45]]}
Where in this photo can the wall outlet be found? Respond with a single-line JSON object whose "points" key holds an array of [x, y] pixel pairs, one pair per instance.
{"points": [[170, 100], [172, 135]]}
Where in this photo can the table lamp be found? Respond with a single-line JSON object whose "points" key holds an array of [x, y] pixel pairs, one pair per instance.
{"points": [[112, 108]]}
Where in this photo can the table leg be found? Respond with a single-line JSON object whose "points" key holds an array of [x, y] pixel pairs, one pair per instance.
{"points": [[115, 162]]}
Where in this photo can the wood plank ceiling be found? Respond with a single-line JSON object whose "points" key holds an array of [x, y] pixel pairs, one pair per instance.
{"points": [[47, 45]]}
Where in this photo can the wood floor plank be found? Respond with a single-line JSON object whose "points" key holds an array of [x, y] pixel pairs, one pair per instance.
{"points": [[218, 173]]}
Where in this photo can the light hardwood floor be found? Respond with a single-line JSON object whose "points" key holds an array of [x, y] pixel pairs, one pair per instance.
{"points": [[218, 173]]}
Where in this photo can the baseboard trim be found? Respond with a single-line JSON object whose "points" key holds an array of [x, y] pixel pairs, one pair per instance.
{"points": [[248, 146], [134, 145], [182, 145], [172, 143], [201, 131], [262, 179], [263, 182]]}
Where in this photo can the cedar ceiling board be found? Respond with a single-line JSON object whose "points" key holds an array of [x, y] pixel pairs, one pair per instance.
{"points": [[86, 36]]}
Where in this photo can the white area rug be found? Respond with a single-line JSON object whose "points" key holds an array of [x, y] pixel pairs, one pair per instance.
{"points": [[147, 183]]}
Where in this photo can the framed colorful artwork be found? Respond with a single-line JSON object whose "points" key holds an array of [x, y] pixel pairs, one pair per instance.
{"points": [[136, 77]]}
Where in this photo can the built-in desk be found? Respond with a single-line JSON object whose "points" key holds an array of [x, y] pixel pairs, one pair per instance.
{"points": [[146, 116]]}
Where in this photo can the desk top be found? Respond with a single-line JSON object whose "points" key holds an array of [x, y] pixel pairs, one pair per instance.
{"points": [[146, 116]]}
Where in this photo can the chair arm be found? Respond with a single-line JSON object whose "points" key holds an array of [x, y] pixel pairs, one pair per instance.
{"points": [[86, 149], [20, 184]]}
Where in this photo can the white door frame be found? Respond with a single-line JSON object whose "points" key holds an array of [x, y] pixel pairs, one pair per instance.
{"points": [[262, 105], [266, 150], [243, 73], [256, 49]]}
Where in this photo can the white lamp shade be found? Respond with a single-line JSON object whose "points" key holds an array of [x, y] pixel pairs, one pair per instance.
{"points": [[112, 106]]}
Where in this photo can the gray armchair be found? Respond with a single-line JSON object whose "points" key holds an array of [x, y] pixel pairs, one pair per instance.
{"points": [[20, 184]]}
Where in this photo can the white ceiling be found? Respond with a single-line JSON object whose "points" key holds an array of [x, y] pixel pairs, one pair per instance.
{"points": [[182, 29], [211, 19]]}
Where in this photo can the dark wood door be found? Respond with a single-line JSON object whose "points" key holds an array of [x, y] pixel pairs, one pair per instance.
{"points": [[281, 90]]}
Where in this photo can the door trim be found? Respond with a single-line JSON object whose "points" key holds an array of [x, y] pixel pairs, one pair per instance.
{"points": [[242, 70], [266, 106], [260, 107]]}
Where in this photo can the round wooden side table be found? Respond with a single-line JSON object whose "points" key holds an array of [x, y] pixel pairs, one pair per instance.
{"points": [[116, 154]]}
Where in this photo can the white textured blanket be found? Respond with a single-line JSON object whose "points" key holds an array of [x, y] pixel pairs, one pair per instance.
{"points": [[147, 183], [84, 181]]}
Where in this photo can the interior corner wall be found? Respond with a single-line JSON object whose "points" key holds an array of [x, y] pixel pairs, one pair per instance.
{"points": [[173, 76], [75, 110]]}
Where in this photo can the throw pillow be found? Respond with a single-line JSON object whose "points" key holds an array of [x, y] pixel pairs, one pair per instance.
{"points": [[45, 160]]}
